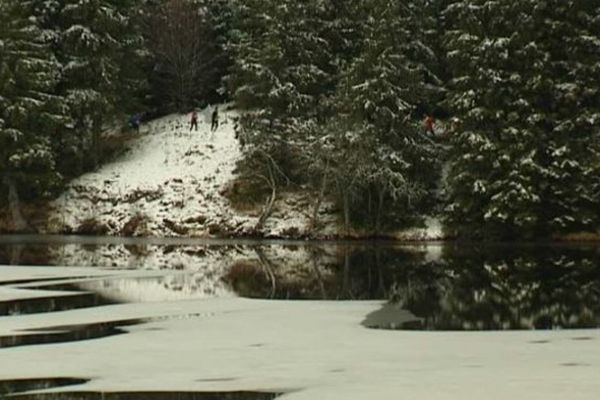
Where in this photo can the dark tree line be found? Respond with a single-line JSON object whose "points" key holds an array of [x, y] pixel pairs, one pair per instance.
{"points": [[339, 88], [331, 96], [71, 72]]}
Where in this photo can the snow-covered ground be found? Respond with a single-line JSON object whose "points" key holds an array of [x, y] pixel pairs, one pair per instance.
{"points": [[305, 349], [171, 177], [172, 180], [170, 183]]}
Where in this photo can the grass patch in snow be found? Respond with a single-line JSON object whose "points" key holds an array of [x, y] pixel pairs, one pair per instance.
{"points": [[137, 225], [34, 213], [92, 226], [246, 194], [580, 237]]}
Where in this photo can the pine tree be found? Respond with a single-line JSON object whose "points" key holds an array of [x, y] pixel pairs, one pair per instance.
{"points": [[395, 164], [527, 151], [330, 89], [30, 114], [283, 64], [565, 95], [478, 162], [283, 73], [99, 48]]}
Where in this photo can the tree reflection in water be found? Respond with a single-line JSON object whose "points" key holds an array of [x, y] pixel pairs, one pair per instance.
{"points": [[503, 288], [446, 287], [464, 288]]}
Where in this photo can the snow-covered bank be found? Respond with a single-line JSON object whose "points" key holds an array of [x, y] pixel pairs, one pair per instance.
{"points": [[171, 182], [308, 350]]}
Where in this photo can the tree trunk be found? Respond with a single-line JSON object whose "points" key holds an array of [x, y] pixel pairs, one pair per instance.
{"points": [[315, 266], [343, 193], [16, 252], [380, 202], [346, 211], [346, 289], [271, 201], [314, 222], [382, 289], [268, 268], [95, 146], [370, 203], [19, 223]]}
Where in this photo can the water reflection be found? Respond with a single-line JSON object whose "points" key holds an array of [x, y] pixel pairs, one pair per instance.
{"points": [[24, 254], [435, 287], [503, 288]]}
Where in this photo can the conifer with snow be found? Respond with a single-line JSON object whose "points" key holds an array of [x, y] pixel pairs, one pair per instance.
{"points": [[30, 113], [396, 165], [282, 74], [99, 48], [526, 89]]}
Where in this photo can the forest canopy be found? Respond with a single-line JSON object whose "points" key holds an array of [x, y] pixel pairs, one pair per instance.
{"points": [[332, 97]]}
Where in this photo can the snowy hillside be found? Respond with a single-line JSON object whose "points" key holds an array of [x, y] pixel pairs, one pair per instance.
{"points": [[167, 184], [170, 182], [168, 178]]}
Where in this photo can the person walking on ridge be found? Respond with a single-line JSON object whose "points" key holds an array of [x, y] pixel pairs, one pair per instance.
{"points": [[215, 119], [135, 121], [428, 124], [194, 121]]}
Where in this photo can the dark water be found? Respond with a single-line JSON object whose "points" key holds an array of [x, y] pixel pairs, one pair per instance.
{"points": [[68, 333], [70, 301], [241, 395], [429, 287], [24, 385], [18, 389]]}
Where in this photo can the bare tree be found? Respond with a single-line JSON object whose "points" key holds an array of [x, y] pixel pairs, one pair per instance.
{"points": [[182, 43], [19, 223]]}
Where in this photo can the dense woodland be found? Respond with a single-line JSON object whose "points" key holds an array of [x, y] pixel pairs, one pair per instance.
{"points": [[331, 95]]}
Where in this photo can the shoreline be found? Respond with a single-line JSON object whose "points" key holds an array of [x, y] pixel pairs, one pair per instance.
{"points": [[57, 238]]}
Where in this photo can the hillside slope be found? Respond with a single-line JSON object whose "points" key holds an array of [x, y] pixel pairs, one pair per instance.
{"points": [[170, 182]]}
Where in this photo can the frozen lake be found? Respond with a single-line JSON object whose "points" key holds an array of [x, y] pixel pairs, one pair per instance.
{"points": [[181, 319]]}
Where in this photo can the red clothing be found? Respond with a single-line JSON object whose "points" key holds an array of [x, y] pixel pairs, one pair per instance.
{"points": [[428, 124]]}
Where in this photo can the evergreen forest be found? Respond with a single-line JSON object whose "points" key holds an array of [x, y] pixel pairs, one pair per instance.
{"points": [[331, 96]]}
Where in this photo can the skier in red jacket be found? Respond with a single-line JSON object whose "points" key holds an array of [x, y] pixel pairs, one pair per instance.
{"points": [[428, 124]]}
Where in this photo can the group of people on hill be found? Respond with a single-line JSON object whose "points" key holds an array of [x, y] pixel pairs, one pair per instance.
{"points": [[214, 125], [135, 120]]}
